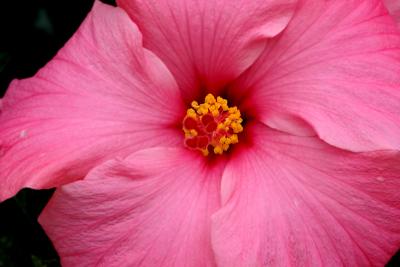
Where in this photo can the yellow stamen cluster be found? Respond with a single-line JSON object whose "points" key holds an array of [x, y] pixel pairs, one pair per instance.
{"points": [[215, 121]]}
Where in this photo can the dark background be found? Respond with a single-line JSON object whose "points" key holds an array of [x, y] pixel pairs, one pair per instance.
{"points": [[31, 32]]}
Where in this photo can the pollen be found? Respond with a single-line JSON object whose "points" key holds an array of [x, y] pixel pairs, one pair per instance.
{"points": [[213, 126]]}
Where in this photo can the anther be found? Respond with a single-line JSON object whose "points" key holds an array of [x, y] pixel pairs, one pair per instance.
{"points": [[212, 126]]}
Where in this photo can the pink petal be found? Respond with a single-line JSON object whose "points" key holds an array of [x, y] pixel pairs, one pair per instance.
{"points": [[103, 95], [394, 8], [207, 44], [296, 201], [151, 209], [337, 67]]}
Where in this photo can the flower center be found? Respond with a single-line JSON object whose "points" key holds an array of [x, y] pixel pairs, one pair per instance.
{"points": [[212, 126]]}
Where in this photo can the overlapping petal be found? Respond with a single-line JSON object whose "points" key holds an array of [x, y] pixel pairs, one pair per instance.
{"points": [[102, 95], [152, 209], [207, 44], [296, 201], [394, 8], [336, 67]]}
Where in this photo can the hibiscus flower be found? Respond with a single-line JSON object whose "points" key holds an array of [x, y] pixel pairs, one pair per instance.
{"points": [[215, 133]]}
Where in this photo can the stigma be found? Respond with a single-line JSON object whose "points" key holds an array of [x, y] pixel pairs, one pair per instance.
{"points": [[212, 126]]}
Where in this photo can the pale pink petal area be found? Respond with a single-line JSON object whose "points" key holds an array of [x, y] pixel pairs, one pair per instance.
{"points": [[207, 44], [152, 209], [394, 9], [296, 201], [103, 95], [336, 67]]}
